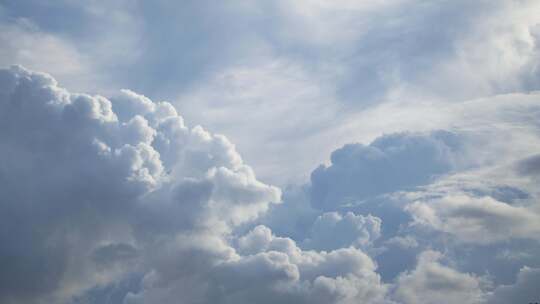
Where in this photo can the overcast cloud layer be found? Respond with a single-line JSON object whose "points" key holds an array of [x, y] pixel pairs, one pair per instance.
{"points": [[373, 152]]}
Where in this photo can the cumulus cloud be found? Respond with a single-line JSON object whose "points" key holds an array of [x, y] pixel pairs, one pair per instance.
{"points": [[472, 192], [388, 164], [268, 269], [120, 190], [432, 282], [332, 230], [122, 201], [106, 184], [464, 192], [343, 275], [115, 199]]}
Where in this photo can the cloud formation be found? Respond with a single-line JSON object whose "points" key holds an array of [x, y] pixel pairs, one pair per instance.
{"points": [[121, 189], [342, 57], [404, 136], [432, 282], [390, 163], [115, 198], [99, 187]]}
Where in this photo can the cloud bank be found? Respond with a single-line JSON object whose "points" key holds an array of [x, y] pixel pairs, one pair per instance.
{"points": [[116, 200]]}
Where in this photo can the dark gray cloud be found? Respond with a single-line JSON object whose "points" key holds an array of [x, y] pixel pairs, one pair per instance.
{"points": [[530, 165], [524, 290]]}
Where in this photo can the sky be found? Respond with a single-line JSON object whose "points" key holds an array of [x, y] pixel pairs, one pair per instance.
{"points": [[311, 151]]}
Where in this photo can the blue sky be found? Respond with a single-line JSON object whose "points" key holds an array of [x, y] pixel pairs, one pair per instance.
{"points": [[269, 151]]}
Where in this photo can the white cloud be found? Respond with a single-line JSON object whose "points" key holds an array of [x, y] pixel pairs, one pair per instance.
{"points": [[432, 282], [390, 163], [146, 197], [270, 269], [133, 182], [477, 220], [332, 230], [108, 197]]}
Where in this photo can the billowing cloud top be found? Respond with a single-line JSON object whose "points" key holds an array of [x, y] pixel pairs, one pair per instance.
{"points": [[88, 180], [99, 193]]}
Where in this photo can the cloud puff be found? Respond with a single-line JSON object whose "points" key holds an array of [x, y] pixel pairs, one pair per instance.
{"points": [[92, 181], [420, 189], [469, 193], [117, 198], [268, 269], [390, 163], [432, 282], [332, 230], [343, 275]]}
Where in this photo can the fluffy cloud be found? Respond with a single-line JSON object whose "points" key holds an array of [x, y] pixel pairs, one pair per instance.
{"points": [[332, 230], [268, 269], [101, 189], [388, 164], [117, 200], [119, 190], [472, 192], [343, 275], [432, 282], [120, 200]]}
